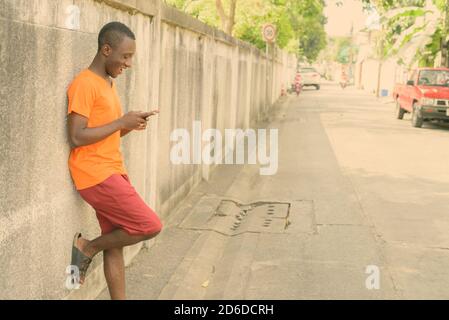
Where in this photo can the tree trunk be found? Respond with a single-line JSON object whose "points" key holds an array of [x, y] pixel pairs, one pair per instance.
{"points": [[231, 21], [227, 20], [221, 13]]}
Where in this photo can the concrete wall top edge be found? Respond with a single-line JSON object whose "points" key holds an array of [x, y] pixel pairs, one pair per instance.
{"points": [[173, 16], [176, 17], [145, 7]]}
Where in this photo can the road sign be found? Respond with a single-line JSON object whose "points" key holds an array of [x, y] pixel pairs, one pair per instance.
{"points": [[269, 32]]}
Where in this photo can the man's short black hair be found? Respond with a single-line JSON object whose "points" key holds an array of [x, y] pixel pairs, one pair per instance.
{"points": [[113, 33]]}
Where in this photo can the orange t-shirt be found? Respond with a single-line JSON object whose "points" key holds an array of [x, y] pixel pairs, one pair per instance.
{"points": [[93, 97]]}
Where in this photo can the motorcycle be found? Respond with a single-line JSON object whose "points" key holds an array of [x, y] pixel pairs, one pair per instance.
{"points": [[294, 88], [298, 85], [344, 80], [298, 88]]}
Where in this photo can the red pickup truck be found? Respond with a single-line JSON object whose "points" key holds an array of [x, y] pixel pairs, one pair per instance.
{"points": [[425, 96]]}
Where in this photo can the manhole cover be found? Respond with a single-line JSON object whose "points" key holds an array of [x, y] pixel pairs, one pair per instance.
{"points": [[231, 217]]}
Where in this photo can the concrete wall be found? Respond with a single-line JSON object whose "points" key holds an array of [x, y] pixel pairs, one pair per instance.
{"points": [[187, 69], [367, 75]]}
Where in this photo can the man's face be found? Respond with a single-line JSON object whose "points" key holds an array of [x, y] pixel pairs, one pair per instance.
{"points": [[120, 57]]}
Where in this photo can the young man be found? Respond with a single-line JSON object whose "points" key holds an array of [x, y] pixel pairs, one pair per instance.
{"points": [[95, 125]]}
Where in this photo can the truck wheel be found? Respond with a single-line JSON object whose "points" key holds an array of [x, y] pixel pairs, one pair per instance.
{"points": [[399, 112], [417, 120], [317, 87]]}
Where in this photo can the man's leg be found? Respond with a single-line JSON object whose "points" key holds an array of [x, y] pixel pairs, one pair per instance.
{"points": [[114, 271], [117, 203], [115, 239]]}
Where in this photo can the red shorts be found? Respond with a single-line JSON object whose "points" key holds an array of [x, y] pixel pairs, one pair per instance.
{"points": [[119, 206]]}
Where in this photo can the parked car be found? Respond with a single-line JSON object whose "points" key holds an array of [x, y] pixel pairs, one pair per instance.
{"points": [[425, 96], [310, 77]]}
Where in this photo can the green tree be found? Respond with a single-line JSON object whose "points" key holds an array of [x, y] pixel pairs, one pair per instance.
{"points": [[308, 21], [424, 21], [250, 22], [343, 47], [299, 23]]}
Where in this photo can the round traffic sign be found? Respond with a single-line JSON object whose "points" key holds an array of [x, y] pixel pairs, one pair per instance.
{"points": [[269, 32]]}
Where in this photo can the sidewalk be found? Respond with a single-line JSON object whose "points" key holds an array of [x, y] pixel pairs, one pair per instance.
{"points": [[311, 241]]}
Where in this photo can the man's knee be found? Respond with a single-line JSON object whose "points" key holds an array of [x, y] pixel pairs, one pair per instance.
{"points": [[151, 235], [154, 231]]}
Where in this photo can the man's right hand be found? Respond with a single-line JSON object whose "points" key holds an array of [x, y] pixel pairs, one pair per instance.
{"points": [[147, 115], [133, 120]]}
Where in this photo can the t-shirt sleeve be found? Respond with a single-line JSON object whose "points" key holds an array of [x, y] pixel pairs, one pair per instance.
{"points": [[81, 97]]}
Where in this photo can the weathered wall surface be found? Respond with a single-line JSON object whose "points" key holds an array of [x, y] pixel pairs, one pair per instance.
{"points": [[367, 75], [187, 69]]}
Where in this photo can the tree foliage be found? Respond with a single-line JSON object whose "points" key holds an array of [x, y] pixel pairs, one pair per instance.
{"points": [[404, 20], [299, 23]]}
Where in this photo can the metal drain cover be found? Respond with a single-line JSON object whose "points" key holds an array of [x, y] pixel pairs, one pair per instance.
{"points": [[231, 217]]}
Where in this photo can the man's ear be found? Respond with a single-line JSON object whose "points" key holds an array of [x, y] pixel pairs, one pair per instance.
{"points": [[106, 50]]}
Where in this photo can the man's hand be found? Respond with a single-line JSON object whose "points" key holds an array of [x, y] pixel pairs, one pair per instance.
{"points": [[136, 120], [147, 115], [142, 125], [132, 120]]}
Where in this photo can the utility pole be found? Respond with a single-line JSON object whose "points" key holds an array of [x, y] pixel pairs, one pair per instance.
{"points": [[269, 35], [351, 53], [379, 71]]}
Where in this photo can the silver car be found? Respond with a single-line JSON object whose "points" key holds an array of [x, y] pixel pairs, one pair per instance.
{"points": [[310, 77]]}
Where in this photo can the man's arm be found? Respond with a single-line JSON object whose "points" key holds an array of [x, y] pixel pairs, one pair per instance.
{"points": [[124, 132], [81, 135]]}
